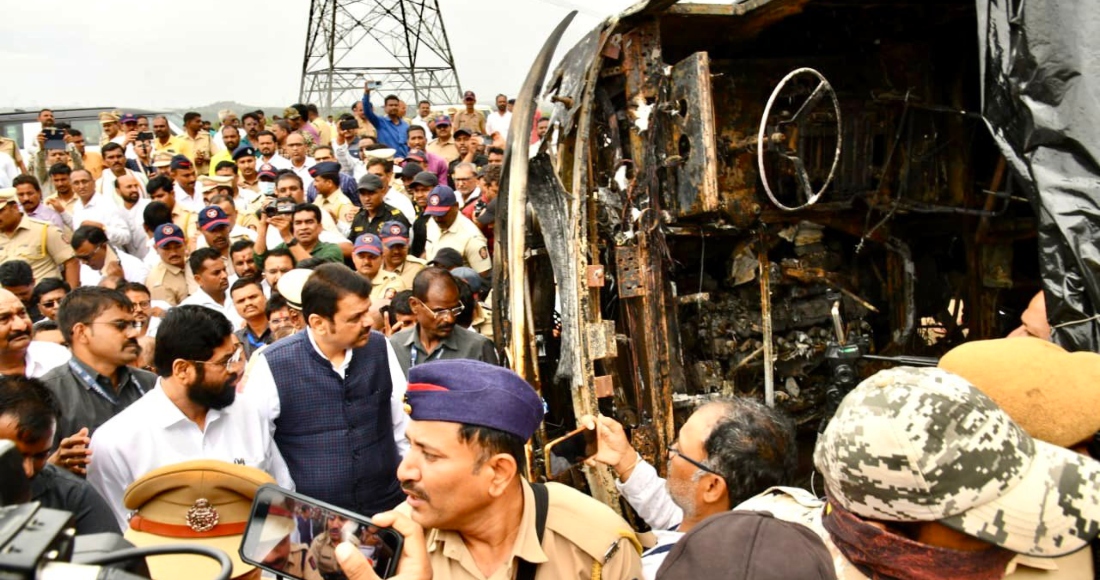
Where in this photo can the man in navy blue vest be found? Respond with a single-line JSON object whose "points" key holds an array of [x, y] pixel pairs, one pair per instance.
{"points": [[334, 397]]}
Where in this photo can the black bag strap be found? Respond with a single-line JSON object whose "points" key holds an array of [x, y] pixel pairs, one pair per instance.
{"points": [[526, 570]]}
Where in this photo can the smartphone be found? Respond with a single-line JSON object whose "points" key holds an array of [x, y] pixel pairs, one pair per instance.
{"points": [[145, 136], [487, 140], [565, 452], [374, 85], [280, 519]]}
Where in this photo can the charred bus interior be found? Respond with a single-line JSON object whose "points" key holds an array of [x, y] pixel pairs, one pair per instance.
{"points": [[903, 234]]}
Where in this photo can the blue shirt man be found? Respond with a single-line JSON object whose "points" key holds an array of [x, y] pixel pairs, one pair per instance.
{"points": [[393, 131]]}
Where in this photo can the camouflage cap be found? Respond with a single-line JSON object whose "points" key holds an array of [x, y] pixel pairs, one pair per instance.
{"points": [[913, 444]]}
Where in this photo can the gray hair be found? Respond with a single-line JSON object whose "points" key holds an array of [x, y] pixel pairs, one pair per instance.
{"points": [[752, 446]]}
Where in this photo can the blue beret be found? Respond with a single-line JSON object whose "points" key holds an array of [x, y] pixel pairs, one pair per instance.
{"points": [[323, 168], [474, 393]]}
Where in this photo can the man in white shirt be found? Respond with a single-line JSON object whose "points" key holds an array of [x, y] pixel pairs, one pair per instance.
{"points": [[99, 258], [114, 166], [300, 162], [8, 170], [727, 452], [132, 203], [348, 457], [193, 412], [500, 120], [97, 210], [19, 354], [269, 151], [212, 276], [188, 194]]}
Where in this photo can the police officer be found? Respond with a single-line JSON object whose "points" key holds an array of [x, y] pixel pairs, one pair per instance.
{"points": [[367, 256], [322, 550], [450, 229], [396, 258], [464, 482], [35, 242], [375, 211], [168, 279]]}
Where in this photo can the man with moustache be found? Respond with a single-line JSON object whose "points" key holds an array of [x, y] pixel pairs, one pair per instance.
{"points": [[167, 280], [97, 383], [19, 355], [436, 336], [248, 299], [216, 226], [192, 413], [347, 458], [37, 243], [30, 197], [114, 164], [128, 190], [375, 212], [464, 478], [243, 256], [396, 259], [211, 275], [367, 257]]}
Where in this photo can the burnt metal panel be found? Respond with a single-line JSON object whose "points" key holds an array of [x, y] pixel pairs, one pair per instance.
{"points": [[629, 265], [692, 127]]}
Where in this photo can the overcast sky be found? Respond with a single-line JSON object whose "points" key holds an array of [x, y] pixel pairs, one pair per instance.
{"points": [[158, 54]]}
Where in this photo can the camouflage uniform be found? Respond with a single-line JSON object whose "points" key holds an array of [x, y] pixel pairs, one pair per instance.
{"points": [[924, 445]]}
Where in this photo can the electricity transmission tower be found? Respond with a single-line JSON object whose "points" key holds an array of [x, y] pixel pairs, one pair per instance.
{"points": [[400, 43]]}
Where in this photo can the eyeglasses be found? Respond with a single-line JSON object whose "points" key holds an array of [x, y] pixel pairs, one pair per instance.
{"points": [[143, 305], [121, 325], [236, 358], [280, 322], [441, 313], [88, 257], [674, 452]]}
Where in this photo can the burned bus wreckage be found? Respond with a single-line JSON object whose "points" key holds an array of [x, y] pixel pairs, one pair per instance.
{"points": [[776, 198]]}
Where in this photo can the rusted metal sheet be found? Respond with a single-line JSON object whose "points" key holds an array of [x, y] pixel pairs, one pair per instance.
{"points": [[630, 275], [601, 340], [693, 158], [604, 386], [595, 276]]}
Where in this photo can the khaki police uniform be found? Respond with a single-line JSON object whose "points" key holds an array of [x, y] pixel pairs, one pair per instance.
{"points": [[474, 121], [11, 148], [322, 553], [300, 565], [39, 244], [465, 238], [583, 539], [68, 204], [385, 285], [168, 283], [188, 222], [445, 149], [483, 321], [408, 270], [336, 204]]}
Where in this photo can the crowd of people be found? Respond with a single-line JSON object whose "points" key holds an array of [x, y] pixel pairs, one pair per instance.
{"points": [[187, 317]]}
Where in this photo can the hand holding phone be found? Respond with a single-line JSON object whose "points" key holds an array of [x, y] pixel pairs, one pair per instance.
{"points": [[413, 563], [278, 513], [573, 448]]}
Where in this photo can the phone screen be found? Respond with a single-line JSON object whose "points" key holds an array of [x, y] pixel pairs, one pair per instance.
{"points": [[570, 450], [289, 532]]}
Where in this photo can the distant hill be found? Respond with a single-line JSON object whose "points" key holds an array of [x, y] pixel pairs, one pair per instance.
{"points": [[210, 112]]}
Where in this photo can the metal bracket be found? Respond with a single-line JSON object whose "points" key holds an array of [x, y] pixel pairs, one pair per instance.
{"points": [[601, 340], [594, 276], [629, 266]]}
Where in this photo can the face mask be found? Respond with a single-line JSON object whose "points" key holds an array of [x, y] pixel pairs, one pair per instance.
{"points": [[267, 187]]}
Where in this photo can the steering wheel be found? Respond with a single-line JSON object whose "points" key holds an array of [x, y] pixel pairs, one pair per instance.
{"points": [[784, 146]]}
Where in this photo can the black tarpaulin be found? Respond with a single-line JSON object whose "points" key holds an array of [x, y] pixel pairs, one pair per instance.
{"points": [[1040, 63]]}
